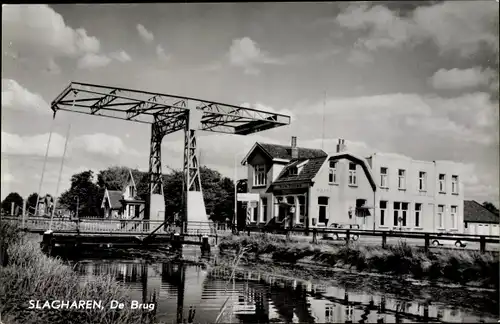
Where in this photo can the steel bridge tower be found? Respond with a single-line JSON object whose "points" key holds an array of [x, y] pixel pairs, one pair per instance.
{"points": [[168, 114]]}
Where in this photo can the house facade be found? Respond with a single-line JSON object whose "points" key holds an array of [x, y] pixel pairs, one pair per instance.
{"points": [[480, 221], [417, 195], [123, 204], [382, 192]]}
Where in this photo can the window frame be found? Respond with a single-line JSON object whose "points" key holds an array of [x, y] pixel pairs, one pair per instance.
{"points": [[418, 214], [320, 205], [454, 185], [422, 181], [453, 217], [301, 210], [332, 172], [440, 216], [352, 175], [442, 183], [401, 179], [263, 209], [383, 212], [259, 169], [384, 178]]}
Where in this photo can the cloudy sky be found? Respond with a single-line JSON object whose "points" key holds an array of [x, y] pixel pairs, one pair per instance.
{"points": [[415, 79]]}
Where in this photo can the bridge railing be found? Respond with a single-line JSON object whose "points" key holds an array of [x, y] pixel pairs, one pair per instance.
{"points": [[100, 225]]}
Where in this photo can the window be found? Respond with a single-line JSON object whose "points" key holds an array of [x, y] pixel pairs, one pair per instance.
{"points": [[440, 216], [329, 311], [293, 171], [418, 211], [302, 208], [422, 181], [454, 184], [259, 175], [332, 172], [253, 214], [383, 211], [323, 209], [401, 179], [400, 213], [352, 174], [263, 204], [383, 178], [442, 183], [453, 216], [397, 209]]}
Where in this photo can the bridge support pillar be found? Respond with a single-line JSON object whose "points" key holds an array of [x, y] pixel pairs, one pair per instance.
{"points": [[156, 197], [47, 243], [176, 242], [205, 244], [195, 214]]}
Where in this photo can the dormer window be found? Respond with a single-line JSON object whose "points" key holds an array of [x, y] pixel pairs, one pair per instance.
{"points": [[259, 176], [293, 171]]}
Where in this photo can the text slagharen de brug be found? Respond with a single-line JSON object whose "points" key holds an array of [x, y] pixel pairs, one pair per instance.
{"points": [[88, 305]]}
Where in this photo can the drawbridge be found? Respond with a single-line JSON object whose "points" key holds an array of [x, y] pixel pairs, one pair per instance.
{"points": [[168, 114]]}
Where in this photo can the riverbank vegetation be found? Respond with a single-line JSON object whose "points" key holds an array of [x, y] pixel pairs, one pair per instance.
{"points": [[31, 275], [463, 267]]}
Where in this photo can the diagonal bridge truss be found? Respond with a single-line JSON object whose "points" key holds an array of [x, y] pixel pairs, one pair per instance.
{"points": [[168, 114]]}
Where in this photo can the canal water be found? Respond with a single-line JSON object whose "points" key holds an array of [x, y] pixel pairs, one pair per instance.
{"points": [[199, 294]]}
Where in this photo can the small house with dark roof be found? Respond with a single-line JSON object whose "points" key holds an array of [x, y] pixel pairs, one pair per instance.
{"points": [[123, 204], [301, 186], [478, 220]]}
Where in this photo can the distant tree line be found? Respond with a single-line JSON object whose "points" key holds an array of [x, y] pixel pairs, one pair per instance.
{"points": [[86, 192]]}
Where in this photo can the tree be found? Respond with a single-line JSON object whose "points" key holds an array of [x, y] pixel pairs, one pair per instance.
{"points": [[492, 208], [31, 202], [13, 197], [85, 193]]}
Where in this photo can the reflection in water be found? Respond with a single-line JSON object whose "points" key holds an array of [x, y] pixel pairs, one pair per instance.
{"points": [[187, 294]]}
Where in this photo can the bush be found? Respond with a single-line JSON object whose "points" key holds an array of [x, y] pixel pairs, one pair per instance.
{"points": [[459, 266], [30, 275]]}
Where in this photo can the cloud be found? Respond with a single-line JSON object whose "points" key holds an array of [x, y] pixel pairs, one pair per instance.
{"points": [[16, 97], [245, 53], [38, 28], [99, 144], [160, 52], [358, 57], [36, 145], [454, 26], [467, 118], [459, 79], [93, 61], [121, 56], [145, 34]]}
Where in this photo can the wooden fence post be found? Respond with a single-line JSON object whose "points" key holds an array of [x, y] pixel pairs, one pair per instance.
{"points": [[426, 242], [347, 238], [384, 239], [315, 239], [12, 208], [24, 214], [482, 244]]}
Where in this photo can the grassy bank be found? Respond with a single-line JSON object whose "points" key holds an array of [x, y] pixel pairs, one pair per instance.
{"points": [[457, 266], [30, 275]]}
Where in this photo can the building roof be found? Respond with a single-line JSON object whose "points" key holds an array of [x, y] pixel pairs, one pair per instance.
{"points": [[114, 198], [359, 160], [284, 152], [308, 172], [474, 212]]}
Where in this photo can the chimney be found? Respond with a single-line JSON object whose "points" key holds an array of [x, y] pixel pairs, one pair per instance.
{"points": [[295, 150], [341, 145]]}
